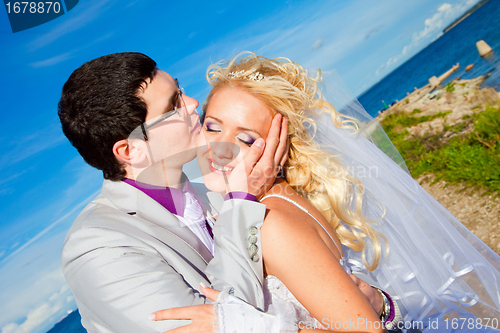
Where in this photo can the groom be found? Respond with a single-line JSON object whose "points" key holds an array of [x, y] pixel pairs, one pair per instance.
{"points": [[141, 246], [134, 249]]}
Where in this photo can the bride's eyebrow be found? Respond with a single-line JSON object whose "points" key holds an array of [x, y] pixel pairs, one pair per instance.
{"points": [[238, 128]]}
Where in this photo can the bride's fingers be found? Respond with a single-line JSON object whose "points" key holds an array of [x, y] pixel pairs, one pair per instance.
{"points": [[272, 142], [210, 293], [253, 155], [282, 150]]}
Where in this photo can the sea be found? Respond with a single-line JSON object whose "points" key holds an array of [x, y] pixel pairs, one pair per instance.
{"points": [[458, 45]]}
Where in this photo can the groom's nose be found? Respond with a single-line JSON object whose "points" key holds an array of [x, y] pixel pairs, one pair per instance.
{"points": [[191, 103]]}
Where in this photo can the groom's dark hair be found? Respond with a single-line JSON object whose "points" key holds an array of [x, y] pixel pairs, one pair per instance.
{"points": [[99, 106]]}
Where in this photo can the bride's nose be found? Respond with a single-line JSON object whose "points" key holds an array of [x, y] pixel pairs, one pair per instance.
{"points": [[224, 151]]}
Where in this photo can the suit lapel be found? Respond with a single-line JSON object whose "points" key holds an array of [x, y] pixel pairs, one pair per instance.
{"points": [[136, 202], [152, 211]]}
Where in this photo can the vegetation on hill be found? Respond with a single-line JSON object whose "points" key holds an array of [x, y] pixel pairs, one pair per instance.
{"points": [[452, 133]]}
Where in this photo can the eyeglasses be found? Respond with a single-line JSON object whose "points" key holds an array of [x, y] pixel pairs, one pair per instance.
{"points": [[178, 104]]}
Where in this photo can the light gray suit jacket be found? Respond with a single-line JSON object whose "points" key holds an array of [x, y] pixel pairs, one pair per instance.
{"points": [[126, 256]]}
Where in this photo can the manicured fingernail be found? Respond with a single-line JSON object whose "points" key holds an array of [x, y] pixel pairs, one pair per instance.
{"points": [[203, 285], [259, 142], [152, 316]]}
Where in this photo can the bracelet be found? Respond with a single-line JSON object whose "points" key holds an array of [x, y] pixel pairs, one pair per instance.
{"points": [[386, 309], [391, 315], [240, 195]]}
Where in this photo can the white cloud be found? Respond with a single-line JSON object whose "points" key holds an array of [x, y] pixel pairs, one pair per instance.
{"points": [[317, 44], [445, 14], [7, 182], [34, 288], [38, 316], [67, 55], [52, 61], [58, 213], [12, 177], [75, 208], [433, 27], [31, 277], [7, 191], [82, 15], [29, 145], [313, 39], [10, 328]]}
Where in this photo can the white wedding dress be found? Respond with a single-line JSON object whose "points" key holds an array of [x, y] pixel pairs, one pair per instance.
{"points": [[279, 299]]}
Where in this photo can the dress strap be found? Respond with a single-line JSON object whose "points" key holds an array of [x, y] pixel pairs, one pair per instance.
{"points": [[305, 211]]}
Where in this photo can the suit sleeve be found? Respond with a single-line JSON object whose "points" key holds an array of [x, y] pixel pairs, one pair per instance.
{"points": [[119, 281], [236, 264], [237, 271]]}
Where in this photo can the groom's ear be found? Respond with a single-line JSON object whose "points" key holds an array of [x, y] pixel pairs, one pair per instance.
{"points": [[131, 152]]}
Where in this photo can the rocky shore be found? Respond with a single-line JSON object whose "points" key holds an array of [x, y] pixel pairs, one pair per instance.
{"points": [[431, 116]]}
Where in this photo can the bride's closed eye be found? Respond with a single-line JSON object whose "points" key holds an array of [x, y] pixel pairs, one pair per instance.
{"points": [[211, 127], [244, 138]]}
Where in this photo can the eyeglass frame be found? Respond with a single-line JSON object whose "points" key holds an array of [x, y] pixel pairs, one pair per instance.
{"points": [[168, 114]]}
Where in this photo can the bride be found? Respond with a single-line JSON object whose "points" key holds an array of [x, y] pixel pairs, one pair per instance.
{"points": [[301, 236], [342, 205]]}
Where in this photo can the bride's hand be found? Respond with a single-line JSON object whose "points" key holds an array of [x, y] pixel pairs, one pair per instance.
{"points": [[256, 173], [202, 316]]}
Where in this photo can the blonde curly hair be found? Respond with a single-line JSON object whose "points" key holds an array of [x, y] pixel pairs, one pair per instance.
{"points": [[314, 173]]}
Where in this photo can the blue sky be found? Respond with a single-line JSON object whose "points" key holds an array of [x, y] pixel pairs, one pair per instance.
{"points": [[44, 181]]}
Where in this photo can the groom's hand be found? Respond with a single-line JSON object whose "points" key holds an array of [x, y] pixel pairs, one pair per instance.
{"points": [[257, 172], [202, 316]]}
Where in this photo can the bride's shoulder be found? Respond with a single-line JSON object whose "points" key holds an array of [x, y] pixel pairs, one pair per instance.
{"points": [[290, 214], [280, 197], [285, 207]]}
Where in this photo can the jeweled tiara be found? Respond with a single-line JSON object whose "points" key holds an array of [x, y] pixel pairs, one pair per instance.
{"points": [[254, 76]]}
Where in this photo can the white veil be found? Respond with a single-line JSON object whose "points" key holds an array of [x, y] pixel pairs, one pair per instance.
{"points": [[436, 268]]}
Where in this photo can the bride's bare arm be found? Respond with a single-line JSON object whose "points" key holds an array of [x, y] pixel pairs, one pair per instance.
{"points": [[296, 253]]}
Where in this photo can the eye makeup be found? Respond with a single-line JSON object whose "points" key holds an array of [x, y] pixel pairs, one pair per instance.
{"points": [[246, 139], [212, 127], [243, 137]]}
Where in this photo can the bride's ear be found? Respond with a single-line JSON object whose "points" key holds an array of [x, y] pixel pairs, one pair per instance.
{"points": [[130, 152]]}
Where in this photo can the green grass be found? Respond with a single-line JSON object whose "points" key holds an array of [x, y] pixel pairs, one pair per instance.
{"points": [[398, 120], [450, 87], [472, 159]]}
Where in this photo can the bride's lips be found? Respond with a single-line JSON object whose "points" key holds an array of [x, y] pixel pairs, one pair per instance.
{"points": [[220, 169]]}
